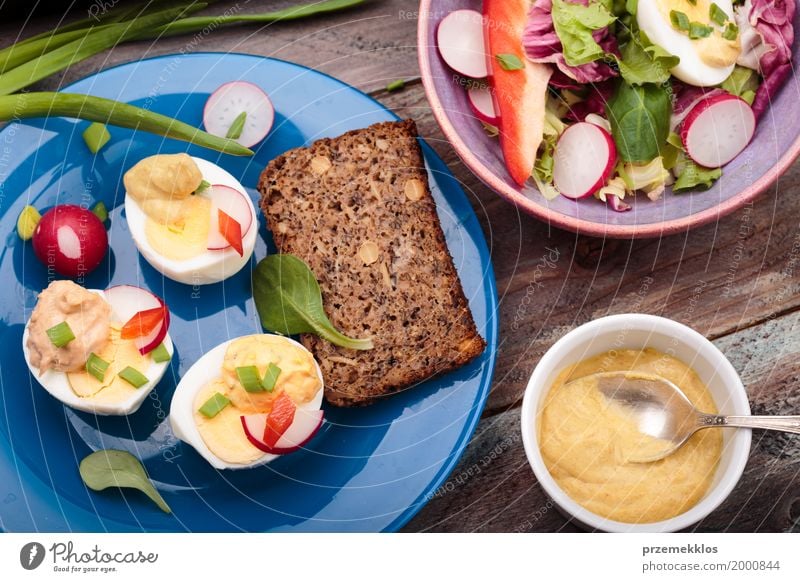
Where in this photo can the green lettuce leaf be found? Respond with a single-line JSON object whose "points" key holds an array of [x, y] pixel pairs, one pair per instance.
{"points": [[742, 82], [574, 24], [692, 176], [644, 62]]}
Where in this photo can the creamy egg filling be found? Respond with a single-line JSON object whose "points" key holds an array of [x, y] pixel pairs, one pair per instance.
{"points": [[223, 433]]}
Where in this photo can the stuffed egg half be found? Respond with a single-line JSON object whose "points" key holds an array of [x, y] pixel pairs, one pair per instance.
{"points": [[190, 219], [249, 400], [94, 350]]}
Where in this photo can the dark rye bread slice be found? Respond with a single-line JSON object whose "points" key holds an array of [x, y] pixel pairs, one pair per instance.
{"points": [[358, 210]]}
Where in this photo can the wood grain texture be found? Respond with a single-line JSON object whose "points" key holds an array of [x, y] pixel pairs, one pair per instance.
{"points": [[735, 281]]}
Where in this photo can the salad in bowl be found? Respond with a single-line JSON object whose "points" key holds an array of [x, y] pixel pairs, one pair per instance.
{"points": [[610, 102]]}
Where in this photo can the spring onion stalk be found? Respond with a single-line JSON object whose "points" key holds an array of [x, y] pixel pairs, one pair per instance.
{"points": [[133, 377], [235, 130], [198, 23], [97, 366], [96, 136], [100, 211], [249, 378], [160, 354], [92, 43], [214, 405], [22, 52], [108, 111], [270, 377], [60, 334]]}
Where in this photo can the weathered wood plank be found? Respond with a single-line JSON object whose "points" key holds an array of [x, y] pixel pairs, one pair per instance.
{"points": [[494, 489]]}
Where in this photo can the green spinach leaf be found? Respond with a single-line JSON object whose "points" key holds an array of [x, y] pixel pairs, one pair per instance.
{"points": [[574, 24], [289, 301], [639, 118], [110, 468]]}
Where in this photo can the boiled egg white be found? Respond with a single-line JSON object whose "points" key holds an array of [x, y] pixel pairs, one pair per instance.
{"points": [[184, 404], [116, 403], [211, 266], [653, 19]]}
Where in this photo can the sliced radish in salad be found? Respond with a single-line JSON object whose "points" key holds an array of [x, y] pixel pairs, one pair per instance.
{"points": [[127, 302], [233, 203], [304, 426], [717, 129], [482, 104], [460, 41], [583, 161], [231, 100]]}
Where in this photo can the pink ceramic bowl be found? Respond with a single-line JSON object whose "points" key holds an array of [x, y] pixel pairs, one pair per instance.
{"points": [[775, 146]]}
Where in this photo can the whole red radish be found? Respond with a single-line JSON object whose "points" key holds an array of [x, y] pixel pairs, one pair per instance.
{"points": [[71, 240]]}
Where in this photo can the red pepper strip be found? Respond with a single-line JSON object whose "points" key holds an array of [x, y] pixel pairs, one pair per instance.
{"points": [[232, 231], [279, 419], [143, 323]]}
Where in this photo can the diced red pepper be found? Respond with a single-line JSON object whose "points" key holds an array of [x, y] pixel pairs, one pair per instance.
{"points": [[143, 323], [232, 231], [279, 419]]}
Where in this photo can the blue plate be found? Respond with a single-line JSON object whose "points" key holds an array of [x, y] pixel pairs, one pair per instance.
{"points": [[370, 469]]}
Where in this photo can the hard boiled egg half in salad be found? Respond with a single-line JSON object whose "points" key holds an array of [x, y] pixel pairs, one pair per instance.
{"points": [[190, 219], [249, 400], [98, 351], [701, 33]]}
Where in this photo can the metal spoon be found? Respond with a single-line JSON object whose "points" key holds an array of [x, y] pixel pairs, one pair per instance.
{"points": [[661, 410]]}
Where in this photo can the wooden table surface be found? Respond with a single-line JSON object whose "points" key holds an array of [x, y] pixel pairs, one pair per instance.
{"points": [[736, 281]]}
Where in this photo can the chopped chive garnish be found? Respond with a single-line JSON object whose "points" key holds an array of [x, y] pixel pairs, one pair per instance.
{"points": [[679, 20], [692, 2], [270, 377], [160, 354], [100, 211], [249, 378], [133, 377], [731, 31], [27, 221], [60, 334], [214, 405], [717, 14], [235, 130], [509, 62], [96, 136], [698, 30], [204, 185], [395, 85], [96, 366]]}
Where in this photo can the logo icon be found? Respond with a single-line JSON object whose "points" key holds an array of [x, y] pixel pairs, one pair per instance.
{"points": [[31, 555]]}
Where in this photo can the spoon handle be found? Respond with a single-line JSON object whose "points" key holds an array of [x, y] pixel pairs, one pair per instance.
{"points": [[782, 423]]}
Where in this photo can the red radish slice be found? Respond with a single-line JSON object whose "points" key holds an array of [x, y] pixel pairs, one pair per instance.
{"points": [[482, 103], [229, 101], [460, 41], [305, 425], [584, 159], [717, 129], [126, 301], [233, 203]]}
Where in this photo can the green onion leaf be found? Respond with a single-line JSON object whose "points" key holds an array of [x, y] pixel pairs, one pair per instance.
{"points": [[60, 334], [509, 62], [235, 130], [97, 366], [692, 2], [27, 221], [395, 85], [699, 30], [271, 377], [96, 136], [133, 377], [100, 211], [679, 20], [731, 31], [160, 354], [204, 185], [717, 14], [214, 405], [249, 378]]}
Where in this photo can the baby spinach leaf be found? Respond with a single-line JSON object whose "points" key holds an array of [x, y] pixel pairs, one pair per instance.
{"points": [[110, 468], [639, 118], [289, 301]]}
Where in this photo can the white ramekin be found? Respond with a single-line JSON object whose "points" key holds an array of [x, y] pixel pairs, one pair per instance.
{"points": [[637, 331]]}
